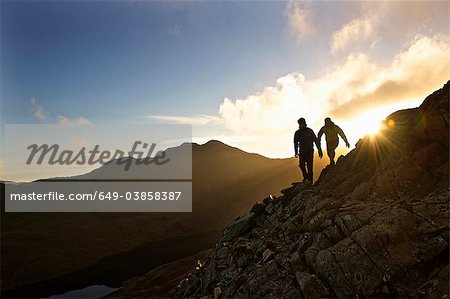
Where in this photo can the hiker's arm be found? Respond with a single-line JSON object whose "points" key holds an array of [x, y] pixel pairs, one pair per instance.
{"points": [[342, 134], [317, 142], [319, 135]]}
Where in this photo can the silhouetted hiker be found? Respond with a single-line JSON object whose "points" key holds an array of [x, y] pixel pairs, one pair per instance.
{"points": [[331, 132], [304, 149]]}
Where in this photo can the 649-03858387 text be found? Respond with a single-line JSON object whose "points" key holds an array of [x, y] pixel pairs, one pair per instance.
{"points": [[136, 195], [99, 195]]}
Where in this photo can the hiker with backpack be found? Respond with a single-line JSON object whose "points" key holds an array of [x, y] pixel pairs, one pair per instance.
{"points": [[304, 139], [331, 131]]}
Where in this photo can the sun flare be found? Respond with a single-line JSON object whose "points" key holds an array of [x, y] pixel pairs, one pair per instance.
{"points": [[371, 127], [367, 124]]}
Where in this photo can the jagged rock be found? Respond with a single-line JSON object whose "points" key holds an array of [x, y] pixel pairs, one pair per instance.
{"points": [[287, 190], [320, 241], [238, 227], [295, 258], [222, 252], [333, 233], [311, 286], [217, 292], [257, 209], [267, 254], [268, 199], [347, 223], [291, 292], [271, 268], [269, 208], [432, 248], [279, 212], [429, 286], [243, 261], [436, 117], [304, 243], [315, 222], [361, 191], [273, 220]]}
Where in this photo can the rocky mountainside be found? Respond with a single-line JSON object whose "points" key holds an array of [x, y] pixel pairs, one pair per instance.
{"points": [[374, 225]]}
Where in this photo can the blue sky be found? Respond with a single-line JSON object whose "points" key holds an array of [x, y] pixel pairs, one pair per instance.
{"points": [[115, 59], [108, 60], [239, 71]]}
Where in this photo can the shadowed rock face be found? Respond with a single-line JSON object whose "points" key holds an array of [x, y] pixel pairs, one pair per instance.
{"points": [[374, 225]]}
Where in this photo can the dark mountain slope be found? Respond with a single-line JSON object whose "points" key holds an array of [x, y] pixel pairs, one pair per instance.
{"points": [[375, 225]]}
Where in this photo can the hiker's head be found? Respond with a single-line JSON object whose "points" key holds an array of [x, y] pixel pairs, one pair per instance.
{"points": [[328, 121], [301, 122]]}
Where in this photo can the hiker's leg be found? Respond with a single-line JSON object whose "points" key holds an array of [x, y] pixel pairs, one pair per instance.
{"points": [[331, 151], [309, 164], [302, 165], [332, 154]]}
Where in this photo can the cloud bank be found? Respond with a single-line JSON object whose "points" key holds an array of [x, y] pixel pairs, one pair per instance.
{"points": [[349, 89], [354, 91]]}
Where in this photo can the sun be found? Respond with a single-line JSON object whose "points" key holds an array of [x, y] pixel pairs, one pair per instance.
{"points": [[367, 124], [372, 128]]}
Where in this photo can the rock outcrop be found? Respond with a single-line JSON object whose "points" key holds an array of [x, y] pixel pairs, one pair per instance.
{"points": [[374, 225]]}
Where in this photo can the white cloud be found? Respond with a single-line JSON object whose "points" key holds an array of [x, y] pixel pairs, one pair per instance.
{"points": [[272, 111], [353, 33], [65, 121], [42, 115], [200, 119], [419, 69], [300, 21], [39, 114], [384, 23]]}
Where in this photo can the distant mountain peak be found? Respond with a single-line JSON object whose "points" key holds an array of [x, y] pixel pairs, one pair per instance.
{"points": [[215, 142]]}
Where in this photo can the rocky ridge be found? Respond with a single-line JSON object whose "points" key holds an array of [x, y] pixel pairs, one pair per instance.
{"points": [[374, 225]]}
